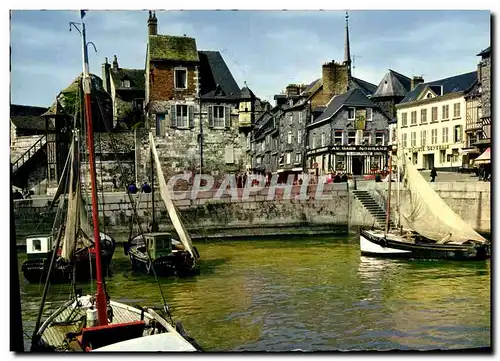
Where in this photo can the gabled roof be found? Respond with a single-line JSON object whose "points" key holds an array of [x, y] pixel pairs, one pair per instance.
{"points": [[393, 84], [136, 77], [27, 117], [453, 84], [214, 71], [366, 88], [354, 97], [55, 109], [310, 86], [177, 48]]}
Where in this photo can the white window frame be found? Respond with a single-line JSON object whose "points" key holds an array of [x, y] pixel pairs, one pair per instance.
{"points": [[423, 116], [369, 138], [298, 158], [348, 137], [447, 113], [353, 113], [126, 83], [423, 138], [445, 138], [404, 119], [289, 139], [432, 114], [378, 135], [299, 136], [460, 133], [313, 141], [369, 111], [290, 119], [455, 115], [184, 117], [434, 136], [218, 122], [288, 158], [175, 78], [335, 137], [414, 112], [323, 139], [300, 117], [404, 139], [413, 139]]}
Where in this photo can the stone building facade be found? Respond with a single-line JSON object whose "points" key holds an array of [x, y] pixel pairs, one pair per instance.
{"points": [[193, 106], [350, 136], [484, 70]]}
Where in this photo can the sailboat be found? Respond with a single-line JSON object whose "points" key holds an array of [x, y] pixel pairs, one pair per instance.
{"points": [[161, 251], [95, 322], [431, 230], [78, 248]]}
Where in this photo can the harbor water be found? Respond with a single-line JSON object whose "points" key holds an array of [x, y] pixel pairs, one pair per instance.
{"points": [[310, 294]]}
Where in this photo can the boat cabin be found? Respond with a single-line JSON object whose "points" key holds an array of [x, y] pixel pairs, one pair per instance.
{"points": [[38, 246], [159, 244]]}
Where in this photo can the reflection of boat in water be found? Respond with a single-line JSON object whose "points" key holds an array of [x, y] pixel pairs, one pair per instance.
{"points": [[433, 230]]}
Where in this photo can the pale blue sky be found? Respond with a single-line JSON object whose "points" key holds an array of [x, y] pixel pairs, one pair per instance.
{"points": [[268, 49]]}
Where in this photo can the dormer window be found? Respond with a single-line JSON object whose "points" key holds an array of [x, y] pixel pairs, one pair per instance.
{"points": [[429, 95], [350, 113], [180, 78], [125, 83]]}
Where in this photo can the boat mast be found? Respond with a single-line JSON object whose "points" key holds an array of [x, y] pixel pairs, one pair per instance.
{"points": [[399, 187], [154, 226], [101, 301], [388, 216]]}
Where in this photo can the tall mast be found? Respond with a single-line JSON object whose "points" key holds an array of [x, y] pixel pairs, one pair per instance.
{"points": [[347, 46], [388, 216], [399, 163], [101, 302], [154, 226]]}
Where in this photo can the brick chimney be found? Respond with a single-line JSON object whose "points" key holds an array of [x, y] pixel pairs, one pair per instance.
{"points": [[152, 23], [105, 75], [335, 80], [115, 63], [415, 81]]}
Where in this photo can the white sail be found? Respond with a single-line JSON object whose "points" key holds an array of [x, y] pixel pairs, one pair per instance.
{"points": [[430, 216], [165, 196], [72, 216]]}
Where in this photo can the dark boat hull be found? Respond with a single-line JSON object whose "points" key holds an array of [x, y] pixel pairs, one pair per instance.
{"points": [[378, 246], [178, 263], [36, 270]]}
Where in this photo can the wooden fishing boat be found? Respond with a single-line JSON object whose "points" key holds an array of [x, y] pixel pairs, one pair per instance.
{"points": [[432, 230], [82, 264], [95, 322], [168, 255]]}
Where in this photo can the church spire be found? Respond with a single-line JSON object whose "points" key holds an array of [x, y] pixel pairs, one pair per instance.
{"points": [[347, 48]]}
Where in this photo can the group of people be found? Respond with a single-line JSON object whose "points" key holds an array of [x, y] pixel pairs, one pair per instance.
{"points": [[338, 177], [132, 188]]}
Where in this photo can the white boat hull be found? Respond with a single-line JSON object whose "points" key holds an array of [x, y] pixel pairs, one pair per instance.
{"points": [[369, 247]]}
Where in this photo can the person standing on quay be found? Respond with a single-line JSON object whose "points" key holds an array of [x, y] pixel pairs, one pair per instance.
{"points": [[433, 174]]}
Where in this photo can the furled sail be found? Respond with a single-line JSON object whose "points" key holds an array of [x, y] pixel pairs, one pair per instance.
{"points": [[172, 210], [430, 216]]}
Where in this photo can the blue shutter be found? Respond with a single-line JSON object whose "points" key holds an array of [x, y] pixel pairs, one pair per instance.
{"points": [[191, 116], [210, 116], [227, 115], [173, 117]]}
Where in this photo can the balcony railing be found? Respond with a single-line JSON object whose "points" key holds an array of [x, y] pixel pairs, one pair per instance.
{"points": [[29, 153]]}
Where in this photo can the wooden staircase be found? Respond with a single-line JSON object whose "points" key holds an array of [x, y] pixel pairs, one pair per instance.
{"points": [[26, 156], [373, 207]]}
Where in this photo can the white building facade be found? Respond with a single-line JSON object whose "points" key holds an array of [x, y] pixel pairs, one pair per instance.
{"points": [[431, 123]]}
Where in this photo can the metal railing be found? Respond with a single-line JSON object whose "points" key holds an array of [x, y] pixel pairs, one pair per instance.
{"points": [[29, 153]]}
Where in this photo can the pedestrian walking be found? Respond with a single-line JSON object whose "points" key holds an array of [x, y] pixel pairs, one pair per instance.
{"points": [[433, 174]]}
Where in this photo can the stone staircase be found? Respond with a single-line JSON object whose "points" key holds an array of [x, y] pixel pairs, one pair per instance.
{"points": [[28, 154], [373, 207]]}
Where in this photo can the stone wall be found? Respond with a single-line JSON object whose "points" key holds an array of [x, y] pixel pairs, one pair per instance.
{"points": [[486, 85], [20, 144], [206, 217]]}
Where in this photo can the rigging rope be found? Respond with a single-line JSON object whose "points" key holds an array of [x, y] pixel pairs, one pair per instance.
{"points": [[134, 208]]}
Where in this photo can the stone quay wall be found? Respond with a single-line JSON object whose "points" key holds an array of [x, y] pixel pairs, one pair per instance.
{"points": [[335, 211]]}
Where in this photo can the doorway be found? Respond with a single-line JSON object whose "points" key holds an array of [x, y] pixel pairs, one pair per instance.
{"points": [[428, 161], [357, 165]]}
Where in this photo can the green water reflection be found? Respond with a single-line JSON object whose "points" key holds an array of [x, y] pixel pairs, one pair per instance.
{"points": [[309, 294]]}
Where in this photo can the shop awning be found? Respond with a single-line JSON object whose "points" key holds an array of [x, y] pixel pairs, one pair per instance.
{"points": [[484, 158]]}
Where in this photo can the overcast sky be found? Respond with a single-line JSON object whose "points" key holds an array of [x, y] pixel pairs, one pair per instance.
{"points": [[268, 49]]}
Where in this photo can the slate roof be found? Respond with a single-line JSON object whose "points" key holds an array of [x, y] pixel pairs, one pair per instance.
{"points": [[136, 77], [393, 84], [354, 97], [310, 86], [177, 48], [366, 88], [457, 83], [485, 51], [246, 93], [214, 71], [27, 117]]}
